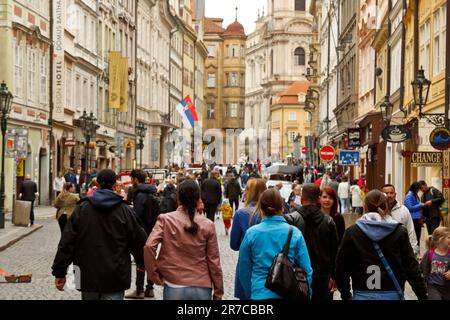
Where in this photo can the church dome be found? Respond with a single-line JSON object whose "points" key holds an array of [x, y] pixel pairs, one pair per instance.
{"points": [[235, 29]]}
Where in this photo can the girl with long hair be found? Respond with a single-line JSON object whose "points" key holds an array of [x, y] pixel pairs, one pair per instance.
{"points": [[243, 219], [66, 203], [188, 264], [329, 205]]}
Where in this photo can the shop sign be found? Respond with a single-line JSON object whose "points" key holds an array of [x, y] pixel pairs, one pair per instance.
{"points": [[440, 138], [348, 158], [396, 134], [354, 137], [70, 143], [16, 143], [101, 143], [426, 159]]}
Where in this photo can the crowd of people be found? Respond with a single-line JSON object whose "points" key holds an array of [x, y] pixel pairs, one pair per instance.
{"points": [[169, 229]]}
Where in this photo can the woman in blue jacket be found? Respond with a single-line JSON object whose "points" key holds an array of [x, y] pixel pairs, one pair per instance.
{"points": [[242, 220], [263, 242], [415, 207]]}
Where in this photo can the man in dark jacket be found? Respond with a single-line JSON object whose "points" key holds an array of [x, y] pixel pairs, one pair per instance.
{"points": [[319, 231], [211, 195], [233, 193], [432, 214], [169, 198], [70, 176], [29, 192], [99, 238], [146, 207]]}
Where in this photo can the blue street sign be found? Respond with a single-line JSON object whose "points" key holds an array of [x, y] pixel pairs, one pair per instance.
{"points": [[348, 158]]}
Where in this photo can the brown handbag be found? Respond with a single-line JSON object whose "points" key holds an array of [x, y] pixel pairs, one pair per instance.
{"points": [[284, 279]]}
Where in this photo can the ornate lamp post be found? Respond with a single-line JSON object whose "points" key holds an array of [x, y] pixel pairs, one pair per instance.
{"points": [[141, 131], [386, 110], [6, 98], [88, 124], [421, 89]]}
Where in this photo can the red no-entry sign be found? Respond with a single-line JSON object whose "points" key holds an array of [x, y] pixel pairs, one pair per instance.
{"points": [[327, 153], [304, 150]]}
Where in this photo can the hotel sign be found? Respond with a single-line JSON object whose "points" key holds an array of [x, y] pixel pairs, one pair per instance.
{"points": [[426, 159], [59, 97]]}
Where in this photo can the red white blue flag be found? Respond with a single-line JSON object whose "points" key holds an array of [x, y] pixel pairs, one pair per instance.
{"points": [[187, 111]]}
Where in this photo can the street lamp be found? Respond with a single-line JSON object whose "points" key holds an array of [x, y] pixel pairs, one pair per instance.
{"points": [[141, 130], [421, 89], [386, 110], [87, 123], [6, 98]]}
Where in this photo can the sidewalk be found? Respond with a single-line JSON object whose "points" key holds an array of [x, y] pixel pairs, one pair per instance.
{"points": [[11, 234]]}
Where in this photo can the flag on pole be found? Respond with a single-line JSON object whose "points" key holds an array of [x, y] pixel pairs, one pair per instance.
{"points": [[187, 111]]}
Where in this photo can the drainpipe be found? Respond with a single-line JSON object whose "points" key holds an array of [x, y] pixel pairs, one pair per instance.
{"points": [[402, 64], [388, 53]]}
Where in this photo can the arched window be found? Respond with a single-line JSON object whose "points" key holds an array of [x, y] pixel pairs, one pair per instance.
{"points": [[299, 56], [300, 5]]}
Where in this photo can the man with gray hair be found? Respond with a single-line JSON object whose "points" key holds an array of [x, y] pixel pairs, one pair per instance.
{"points": [[29, 192]]}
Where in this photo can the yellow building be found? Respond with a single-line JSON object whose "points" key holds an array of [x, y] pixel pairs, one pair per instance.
{"points": [[430, 35], [224, 82], [290, 119]]}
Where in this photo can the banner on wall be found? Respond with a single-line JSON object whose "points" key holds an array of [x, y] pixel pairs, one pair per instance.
{"points": [[59, 92], [123, 85], [114, 80]]}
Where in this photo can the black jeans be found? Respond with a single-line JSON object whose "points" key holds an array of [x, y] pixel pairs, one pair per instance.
{"points": [[140, 279], [62, 221], [32, 213], [320, 291], [432, 224], [234, 202], [418, 229], [210, 210], [436, 292]]}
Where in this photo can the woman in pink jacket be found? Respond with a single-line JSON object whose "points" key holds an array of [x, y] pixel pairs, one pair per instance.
{"points": [[188, 264]]}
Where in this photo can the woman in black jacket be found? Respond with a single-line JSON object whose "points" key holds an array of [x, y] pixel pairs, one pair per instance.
{"points": [[358, 259]]}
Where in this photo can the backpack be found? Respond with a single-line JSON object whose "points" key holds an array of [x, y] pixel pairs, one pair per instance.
{"points": [[168, 203], [443, 205], [152, 206]]}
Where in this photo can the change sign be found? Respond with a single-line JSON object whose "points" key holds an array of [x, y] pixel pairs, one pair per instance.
{"points": [[426, 159]]}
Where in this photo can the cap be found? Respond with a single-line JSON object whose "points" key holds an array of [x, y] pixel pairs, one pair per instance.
{"points": [[106, 177]]}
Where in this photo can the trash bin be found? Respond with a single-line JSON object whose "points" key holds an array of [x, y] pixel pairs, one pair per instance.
{"points": [[21, 214]]}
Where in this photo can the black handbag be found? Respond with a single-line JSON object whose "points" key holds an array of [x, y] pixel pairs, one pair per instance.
{"points": [[284, 279]]}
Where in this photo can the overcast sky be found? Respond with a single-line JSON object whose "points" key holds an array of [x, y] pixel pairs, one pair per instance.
{"points": [[225, 9]]}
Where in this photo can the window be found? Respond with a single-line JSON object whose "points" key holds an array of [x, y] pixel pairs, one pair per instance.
{"points": [[211, 80], [191, 79], [443, 36], [234, 110], [18, 69], [242, 80], [424, 39], [235, 51], [436, 50], [293, 116], [211, 51], [227, 51], [300, 5], [233, 79], [299, 56], [292, 136], [31, 75], [43, 79], [210, 111]]}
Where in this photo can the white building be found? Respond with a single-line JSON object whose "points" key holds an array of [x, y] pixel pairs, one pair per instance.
{"points": [[328, 68], [277, 55]]}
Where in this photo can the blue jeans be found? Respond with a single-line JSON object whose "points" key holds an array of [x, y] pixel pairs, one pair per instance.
{"points": [[187, 293], [344, 205], [375, 295], [102, 296]]}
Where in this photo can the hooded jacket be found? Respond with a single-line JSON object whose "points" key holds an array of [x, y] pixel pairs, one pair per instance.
{"points": [[233, 191], [99, 238], [146, 206], [357, 256], [319, 231], [437, 199]]}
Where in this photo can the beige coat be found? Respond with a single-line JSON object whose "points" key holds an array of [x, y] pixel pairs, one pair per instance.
{"points": [[66, 203]]}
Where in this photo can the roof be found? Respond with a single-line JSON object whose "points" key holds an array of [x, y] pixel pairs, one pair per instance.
{"points": [[212, 27], [290, 95], [235, 29]]}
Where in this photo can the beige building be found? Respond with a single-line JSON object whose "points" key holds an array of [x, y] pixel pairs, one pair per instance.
{"points": [[290, 120], [225, 83]]}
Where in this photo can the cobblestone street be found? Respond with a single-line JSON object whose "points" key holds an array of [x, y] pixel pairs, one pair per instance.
{"points": [[35, 255]]}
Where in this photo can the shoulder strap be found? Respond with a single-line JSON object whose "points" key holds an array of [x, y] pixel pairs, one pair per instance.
{"points": [[430, 255], [288, 243], [389, 271]]}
